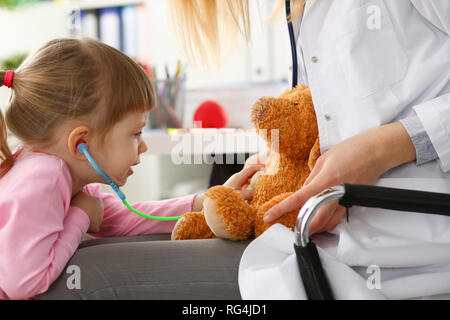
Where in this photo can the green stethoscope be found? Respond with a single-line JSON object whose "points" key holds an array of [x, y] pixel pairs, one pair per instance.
{"points": [[83, 149]]}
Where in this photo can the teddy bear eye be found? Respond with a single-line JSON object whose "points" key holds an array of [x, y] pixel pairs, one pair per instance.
{"points": [[295, 104]]}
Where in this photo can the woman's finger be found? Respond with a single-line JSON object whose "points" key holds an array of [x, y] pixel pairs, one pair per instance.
{"points": [[297, 199], [322, 217], [290, 203], [335, 219], [294, 201]]}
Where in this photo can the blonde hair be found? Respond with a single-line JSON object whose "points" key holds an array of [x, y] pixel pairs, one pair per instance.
{"points": [[71, 79], [208, 29]]}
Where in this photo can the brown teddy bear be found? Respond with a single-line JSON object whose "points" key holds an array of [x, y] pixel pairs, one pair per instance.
{"points": [[288, 123]]}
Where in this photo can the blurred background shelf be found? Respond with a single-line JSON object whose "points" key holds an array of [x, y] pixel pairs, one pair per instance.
{"points": [[266, 58], [97, 4]]}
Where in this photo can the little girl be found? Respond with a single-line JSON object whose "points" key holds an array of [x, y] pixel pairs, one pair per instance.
{"points": [[69, 92]]}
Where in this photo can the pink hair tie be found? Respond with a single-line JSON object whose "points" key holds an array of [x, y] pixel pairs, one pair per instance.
{"points": [[8, 78], [14, 156]]}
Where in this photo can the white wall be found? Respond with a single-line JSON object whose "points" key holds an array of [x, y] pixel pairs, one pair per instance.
{"points": [[29, 26]]}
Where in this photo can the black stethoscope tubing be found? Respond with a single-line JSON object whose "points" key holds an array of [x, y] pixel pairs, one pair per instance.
{"points": [[293, 46], [314, 279]]}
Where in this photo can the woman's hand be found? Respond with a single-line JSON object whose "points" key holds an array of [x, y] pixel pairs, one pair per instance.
{"points": [[93, 207], [360, 159]]}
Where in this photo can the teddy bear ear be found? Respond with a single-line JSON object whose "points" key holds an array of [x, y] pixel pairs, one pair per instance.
{"points": [[259, 110]]}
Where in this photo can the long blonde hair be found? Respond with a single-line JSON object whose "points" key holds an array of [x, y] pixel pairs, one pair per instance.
{"points": [[71, 79], [209, 29]]}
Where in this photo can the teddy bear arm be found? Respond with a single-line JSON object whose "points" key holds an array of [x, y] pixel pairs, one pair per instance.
{"points": [[227, 213], [192, 226]]}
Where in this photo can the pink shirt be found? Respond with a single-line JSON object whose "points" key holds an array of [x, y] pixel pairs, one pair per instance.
{"points": [[40, 230]]}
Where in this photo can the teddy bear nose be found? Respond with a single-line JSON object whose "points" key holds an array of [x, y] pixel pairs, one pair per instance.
{"points": [[259, 110]]}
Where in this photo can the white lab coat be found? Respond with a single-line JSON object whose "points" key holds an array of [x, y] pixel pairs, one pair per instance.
{"points": [[362, 76]]}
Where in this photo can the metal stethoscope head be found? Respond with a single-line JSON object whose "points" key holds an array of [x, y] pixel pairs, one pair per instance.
{"points": [[310, 208]]}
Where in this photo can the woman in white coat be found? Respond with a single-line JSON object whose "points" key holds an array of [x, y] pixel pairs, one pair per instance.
{"points": [[379, 73]]}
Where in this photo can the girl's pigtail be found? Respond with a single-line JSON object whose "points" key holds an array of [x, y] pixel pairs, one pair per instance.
{"points": [[6, 158]]}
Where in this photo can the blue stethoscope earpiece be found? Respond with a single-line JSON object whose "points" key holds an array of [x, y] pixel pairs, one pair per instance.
{"points": [[82, 148]]}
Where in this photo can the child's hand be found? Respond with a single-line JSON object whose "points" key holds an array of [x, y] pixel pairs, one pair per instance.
{"points": [[93, 207], [257, 158], [239, 180]]}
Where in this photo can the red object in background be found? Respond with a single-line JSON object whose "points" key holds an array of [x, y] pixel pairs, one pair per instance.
{"points": [[211, 114]]}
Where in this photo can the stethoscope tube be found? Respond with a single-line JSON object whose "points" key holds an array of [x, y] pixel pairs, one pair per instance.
{"points": [[83, 149], [293, 46]]}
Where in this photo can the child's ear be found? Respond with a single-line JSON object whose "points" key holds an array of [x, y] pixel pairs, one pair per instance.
{"points": [[77, 136]]}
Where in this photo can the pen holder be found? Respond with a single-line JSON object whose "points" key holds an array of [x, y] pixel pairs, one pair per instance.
{"points": [[170, 101]]}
